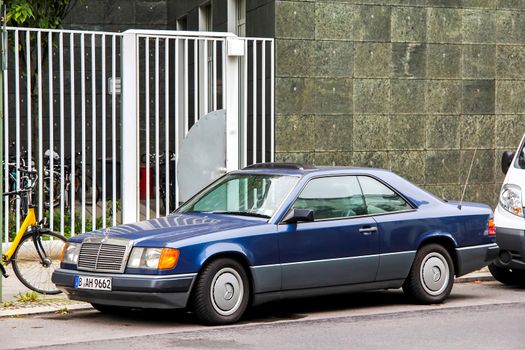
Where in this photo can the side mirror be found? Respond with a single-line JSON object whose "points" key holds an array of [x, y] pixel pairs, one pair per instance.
{"points": [[506, 161], [298, 215]]}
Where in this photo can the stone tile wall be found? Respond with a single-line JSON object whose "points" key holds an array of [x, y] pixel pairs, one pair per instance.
{"points": [[410, 85]]}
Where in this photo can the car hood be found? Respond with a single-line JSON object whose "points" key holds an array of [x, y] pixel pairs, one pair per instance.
{"points": [[174, 227]]}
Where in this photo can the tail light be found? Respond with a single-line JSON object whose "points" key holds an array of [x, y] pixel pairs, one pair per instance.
{"points": [[492, 228]]}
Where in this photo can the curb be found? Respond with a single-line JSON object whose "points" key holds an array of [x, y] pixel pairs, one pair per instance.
{"points": [[482, 277], [43, 310]]}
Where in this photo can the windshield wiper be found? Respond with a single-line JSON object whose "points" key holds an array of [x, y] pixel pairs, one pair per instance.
{"points": [[241, 213]]}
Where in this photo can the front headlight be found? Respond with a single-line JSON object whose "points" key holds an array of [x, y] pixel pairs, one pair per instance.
{"points": [[153, 258], [510, 199], [70, 253]]}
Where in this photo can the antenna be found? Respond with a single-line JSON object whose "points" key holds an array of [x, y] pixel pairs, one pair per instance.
{"points": [[468, 176]]}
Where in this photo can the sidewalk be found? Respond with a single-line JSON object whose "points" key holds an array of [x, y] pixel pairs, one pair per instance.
{"points": [[11, 306]]}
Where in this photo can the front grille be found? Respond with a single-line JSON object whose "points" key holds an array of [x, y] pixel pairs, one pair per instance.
{"points": [[104, 257]]}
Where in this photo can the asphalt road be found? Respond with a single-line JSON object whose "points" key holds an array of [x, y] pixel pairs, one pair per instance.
{"points": [[476, 316]]}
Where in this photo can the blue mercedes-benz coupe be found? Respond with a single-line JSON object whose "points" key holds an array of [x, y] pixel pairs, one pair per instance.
{"points": [[274, 231]]}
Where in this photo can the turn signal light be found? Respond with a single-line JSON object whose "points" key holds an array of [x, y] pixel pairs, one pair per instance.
{"points": [[168, 258], [492, 227]]}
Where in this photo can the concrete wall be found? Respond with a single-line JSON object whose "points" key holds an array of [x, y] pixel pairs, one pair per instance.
{"points": [[409, 85]]}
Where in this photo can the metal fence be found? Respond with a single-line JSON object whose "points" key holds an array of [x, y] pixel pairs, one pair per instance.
{"points": [[101, 117]]}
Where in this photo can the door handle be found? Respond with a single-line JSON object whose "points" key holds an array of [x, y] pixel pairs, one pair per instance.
{"points": [[368, 230]]}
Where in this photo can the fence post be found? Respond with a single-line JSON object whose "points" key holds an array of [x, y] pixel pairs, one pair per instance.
{"points": [[129, 131], [234, 50], [2, 48]]}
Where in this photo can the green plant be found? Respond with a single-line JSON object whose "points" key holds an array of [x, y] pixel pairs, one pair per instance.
{"points": [[7, 304], [28, 297], [63, 310]]}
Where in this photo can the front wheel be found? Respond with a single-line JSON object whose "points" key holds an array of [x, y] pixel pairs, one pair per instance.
{"points": [[431, 277], [221, 293], [34, 270]]}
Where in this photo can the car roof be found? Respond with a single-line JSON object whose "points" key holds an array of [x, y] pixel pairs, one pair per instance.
{"points": [[299, 169]]}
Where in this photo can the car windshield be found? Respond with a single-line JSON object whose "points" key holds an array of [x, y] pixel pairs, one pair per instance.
{"points": [[243, 194]]}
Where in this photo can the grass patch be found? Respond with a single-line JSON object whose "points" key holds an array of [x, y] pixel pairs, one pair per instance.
{"points": [[28, 297]]}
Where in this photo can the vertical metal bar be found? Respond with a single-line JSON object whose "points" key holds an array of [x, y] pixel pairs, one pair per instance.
{"points": [[7, 159], [147, 107], [157, 129], [177, 100], [129, 136], [40, 127], [51, 198], [103, 122], [272, 100], [29, 99], [114, 130], [254, 102], [167, 123], [224, 78], [185, 89], [93, 135], [83, 126], [62, 132], [214, 75], [196, 113], [263, 101], [72, 173], [17, 125], [231, 91], [205, 78], [245, 104]]}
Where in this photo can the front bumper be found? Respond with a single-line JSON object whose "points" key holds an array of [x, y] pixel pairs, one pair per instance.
{"points": [[475, 257], [512, 244], [137, 291]]}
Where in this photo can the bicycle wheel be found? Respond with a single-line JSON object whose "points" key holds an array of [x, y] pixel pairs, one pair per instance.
{"points": [[33, 271], [47, 192]]}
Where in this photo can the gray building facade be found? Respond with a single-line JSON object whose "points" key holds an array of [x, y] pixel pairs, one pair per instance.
{"points": [[414, 86]]}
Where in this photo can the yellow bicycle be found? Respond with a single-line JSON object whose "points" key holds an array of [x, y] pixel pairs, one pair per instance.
{"points": [[35, 251]]}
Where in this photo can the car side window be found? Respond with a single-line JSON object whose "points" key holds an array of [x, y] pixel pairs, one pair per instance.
{"points": [[332, 197], [379, 198]]}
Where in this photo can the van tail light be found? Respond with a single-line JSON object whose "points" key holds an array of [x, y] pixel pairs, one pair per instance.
{"points": [[492, 228]]}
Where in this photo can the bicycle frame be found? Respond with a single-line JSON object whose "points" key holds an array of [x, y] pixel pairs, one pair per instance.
{"points": [[30, 220]]}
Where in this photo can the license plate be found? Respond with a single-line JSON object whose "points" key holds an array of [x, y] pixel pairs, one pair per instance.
{"points": [[92, 282]]}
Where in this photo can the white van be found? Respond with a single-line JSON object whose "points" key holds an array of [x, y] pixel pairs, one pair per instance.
{"points": [[509, 267]]}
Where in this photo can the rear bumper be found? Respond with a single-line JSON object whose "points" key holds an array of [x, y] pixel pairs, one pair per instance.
{"points": [[475, 257], [137, 291], [512, 245]]}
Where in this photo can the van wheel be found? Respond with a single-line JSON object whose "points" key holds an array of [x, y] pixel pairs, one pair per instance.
{"points": [[431, 277], [508, 276], [222, 292]]}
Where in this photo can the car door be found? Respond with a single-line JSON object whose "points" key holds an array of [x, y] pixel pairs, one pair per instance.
{"points": [[399, 226], [339, 247]]}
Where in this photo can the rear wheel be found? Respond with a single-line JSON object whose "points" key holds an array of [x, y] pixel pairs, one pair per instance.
{"points": [[33, 270], [511, 277], [431, 277], [221, 292]]}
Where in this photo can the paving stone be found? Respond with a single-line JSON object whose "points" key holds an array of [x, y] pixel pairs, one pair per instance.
{"points": [[333, 133], [482, 193], [479, 61], [442, 167], [407, 96], [372, 23], [372, 60], [443, 96], [334, 158], [409, 24], [510, 96], [333, 95], [334, 20], [371, 132], [408, 164], [334, 58], [371, 96], [489, 4], [479, 26], [294, 57], [443, 132], [294, 19], [295, 157], [294, 133], [371, 159], [510, 27], [509, 131], [294, 95], [510, 4], [482, 167], [444, 25], [409, 60], [479, 97], [477, 131], [444, 61], [510, 62], [406, 132]]}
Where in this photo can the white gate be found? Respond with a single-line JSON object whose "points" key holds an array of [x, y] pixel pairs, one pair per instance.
{"points": [[101, 117]]}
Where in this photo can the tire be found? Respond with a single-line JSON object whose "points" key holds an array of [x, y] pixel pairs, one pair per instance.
{"points": [[28, 267], [110, 309], [221, 292], [508, 276], [431, 277]]}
